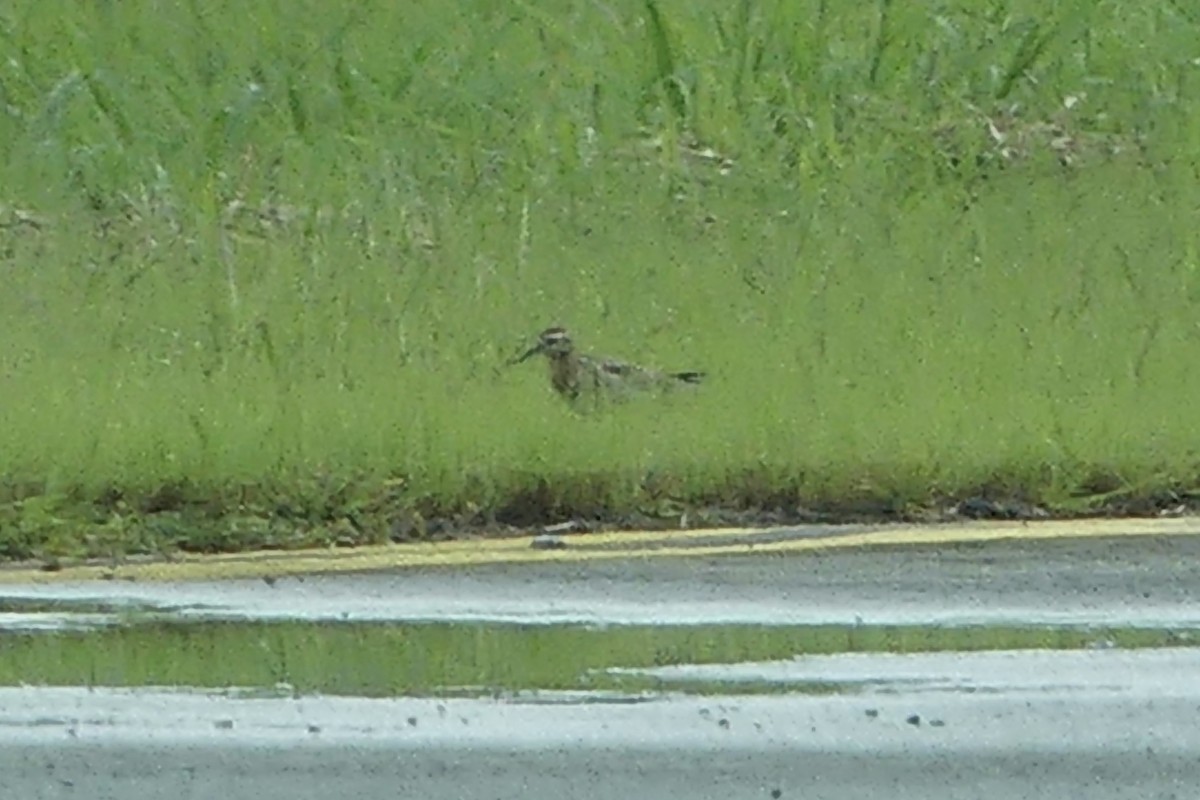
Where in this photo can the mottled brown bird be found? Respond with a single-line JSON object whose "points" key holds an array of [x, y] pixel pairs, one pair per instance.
{"points": [[578, 376]]}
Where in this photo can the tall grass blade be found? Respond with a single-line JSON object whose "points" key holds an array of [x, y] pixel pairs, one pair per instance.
{"points": [[665, 73]]}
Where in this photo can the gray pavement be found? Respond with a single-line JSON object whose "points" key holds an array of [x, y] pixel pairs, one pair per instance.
{"points": [[1153, 581], [1108, 742], [563, 774], [1104, 723]]}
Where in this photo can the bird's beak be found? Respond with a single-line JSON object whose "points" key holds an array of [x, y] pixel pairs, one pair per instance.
{"points": [[528, 354]]}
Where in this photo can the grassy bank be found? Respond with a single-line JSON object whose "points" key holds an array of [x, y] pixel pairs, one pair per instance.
{"points": [[261, 263]]}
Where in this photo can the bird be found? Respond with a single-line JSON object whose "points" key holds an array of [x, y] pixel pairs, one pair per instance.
{"points": [[578, 376]]}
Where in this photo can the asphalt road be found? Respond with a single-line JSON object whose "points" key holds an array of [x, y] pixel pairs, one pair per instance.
{"points": [[1143, 580], [1107, 742], [1097, 724]]}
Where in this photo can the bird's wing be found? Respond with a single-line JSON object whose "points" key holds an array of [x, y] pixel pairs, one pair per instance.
{"points": [[619, 368]]}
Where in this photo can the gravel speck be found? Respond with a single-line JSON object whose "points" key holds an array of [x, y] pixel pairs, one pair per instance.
{"points": [[547, 541]]}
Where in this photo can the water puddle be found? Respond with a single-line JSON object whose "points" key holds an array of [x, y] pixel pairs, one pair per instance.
{"points": [[122, 646], [1098, 670]]}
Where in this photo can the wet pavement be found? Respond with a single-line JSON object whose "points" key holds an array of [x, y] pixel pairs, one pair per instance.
{"points": [[1108, 581], [1103, 722], [1104, 742]]}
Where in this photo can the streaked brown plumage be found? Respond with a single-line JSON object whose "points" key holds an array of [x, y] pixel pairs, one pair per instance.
{"points": [[576, 376]]}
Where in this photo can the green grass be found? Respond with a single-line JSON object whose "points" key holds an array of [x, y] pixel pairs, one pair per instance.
{"points": [[383, 659], [261, 263]]}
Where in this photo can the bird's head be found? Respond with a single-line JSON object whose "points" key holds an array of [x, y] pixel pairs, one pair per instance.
{"points": [[553, 342]]}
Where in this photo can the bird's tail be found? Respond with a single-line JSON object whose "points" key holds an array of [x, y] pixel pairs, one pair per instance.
{"points": [[688, 377]]}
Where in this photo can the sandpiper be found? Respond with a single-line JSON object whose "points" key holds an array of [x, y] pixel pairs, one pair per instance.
{"points": [[576, 375]]}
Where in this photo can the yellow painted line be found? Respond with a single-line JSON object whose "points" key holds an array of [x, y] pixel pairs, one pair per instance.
{"points": [[596, 547]]}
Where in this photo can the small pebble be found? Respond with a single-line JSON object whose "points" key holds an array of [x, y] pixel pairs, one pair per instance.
{"points": [[548, 541]]}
